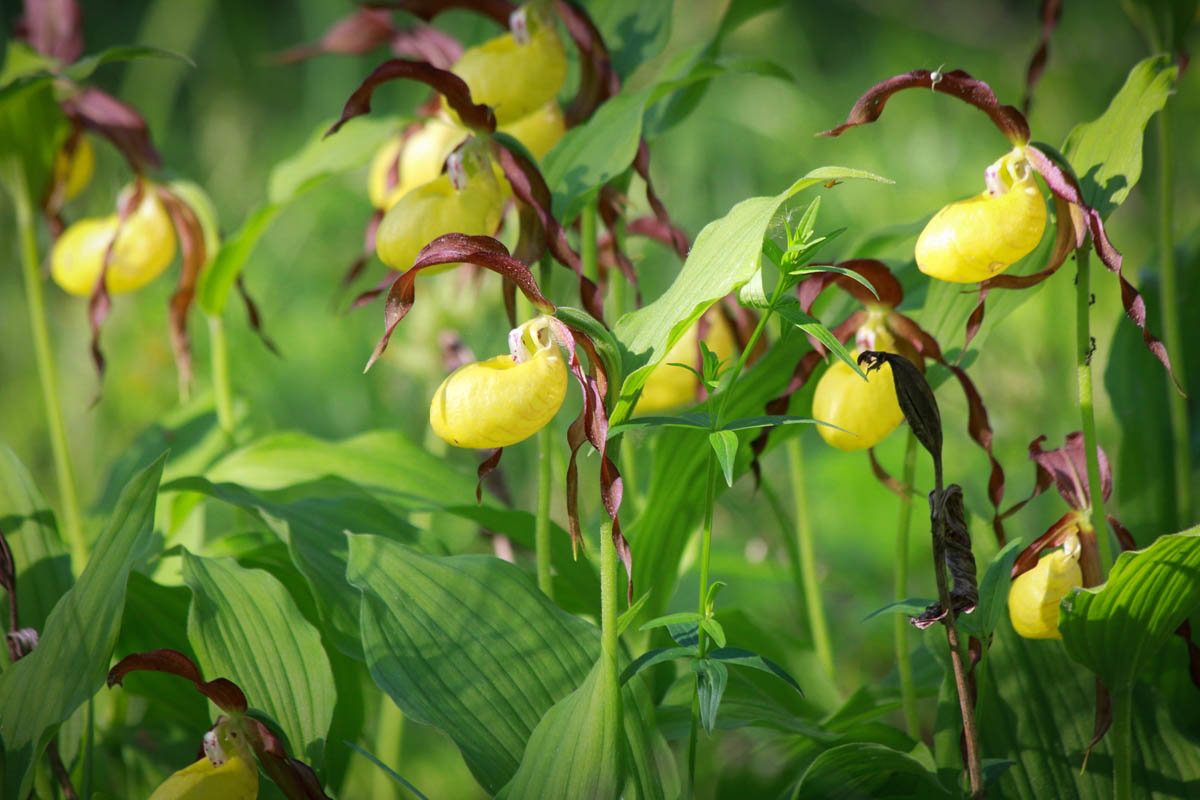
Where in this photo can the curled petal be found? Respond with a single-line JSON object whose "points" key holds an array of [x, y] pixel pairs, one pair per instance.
{"points": [[225, 694], [1009, 120]]}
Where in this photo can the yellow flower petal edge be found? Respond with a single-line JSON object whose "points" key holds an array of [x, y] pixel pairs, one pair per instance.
{"points": [[980, 237], [144, 248], [1034, 596], [516, 74], [505, 399]]}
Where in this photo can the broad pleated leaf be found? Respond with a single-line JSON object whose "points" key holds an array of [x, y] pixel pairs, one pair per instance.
{"points": [[1117, 628], [70, 662], [575, 751], [1036, 708], [244, 626], [470, 645], [313, 528]]}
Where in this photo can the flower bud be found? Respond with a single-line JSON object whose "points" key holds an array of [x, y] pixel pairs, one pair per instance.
{"points": [[671, 386], [977, 238], [438, 207], [505, 399], [144, 248], [518, 72], [1035, 595]]}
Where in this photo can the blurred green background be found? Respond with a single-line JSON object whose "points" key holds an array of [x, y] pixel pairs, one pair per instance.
{"points": [[227, 120]]}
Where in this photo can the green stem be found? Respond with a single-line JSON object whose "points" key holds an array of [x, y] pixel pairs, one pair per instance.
{"points": [[693, 739], [541, 529], [72, 520], [587, 240], [219, 362], [1084, 352], [1172, 331], [808, 561], [389, 744], [900, 626], [710, 494], [1121, 738]]}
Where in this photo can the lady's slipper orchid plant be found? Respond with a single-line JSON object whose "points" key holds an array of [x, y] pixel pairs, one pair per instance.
{"points": [[975, 240]]}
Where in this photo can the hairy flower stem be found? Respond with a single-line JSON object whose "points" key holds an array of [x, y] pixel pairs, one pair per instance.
{"points": [[72, 520], [219, 363], [965, 700], [541, 526], [1085, 349], [1172, 332], [908, 690], [587, 240], [813, 603]]}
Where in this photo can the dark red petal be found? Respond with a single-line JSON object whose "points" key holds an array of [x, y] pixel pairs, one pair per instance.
{"points": [[294, 778], [117, 122], [224, 693], [1009, 120], [485, 468], [449, 85], [598, 80], [194, 256], [54, 28], [449, 249], [641, 164], [358, 33], [1067, 465], [1050, 13]]}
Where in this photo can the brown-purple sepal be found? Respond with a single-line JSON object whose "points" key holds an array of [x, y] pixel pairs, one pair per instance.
{"points": [[477, 117], [117, 122], [224, 693], [869, 107]]}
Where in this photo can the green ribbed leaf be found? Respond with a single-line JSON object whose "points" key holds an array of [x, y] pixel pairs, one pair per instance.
{"points": [[470, 645], [575, 750], [313, 528], [1106, 153], [68, 666], [42, 562], [244, 626], [1116, 629], [866, 771]]}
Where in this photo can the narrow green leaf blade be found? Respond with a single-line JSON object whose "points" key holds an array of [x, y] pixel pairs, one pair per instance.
{"points": [[82, 69], [792, 312], [1106, 153], [1117, 628], [655, 656], [711, 679], [244, 626], [725, 444], [993, 593], [72, 657], [746, 658]]}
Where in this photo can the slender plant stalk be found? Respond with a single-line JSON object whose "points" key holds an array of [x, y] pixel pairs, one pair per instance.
{"points": [[72, 520], [813, 603], [1084, 351], [389, 741], [970, 733], [60, 770], [541, 528], [609, 638], [219, 363], [710, 494], [1172, 332], [587, 240], [1121, 736], [900, 626]]}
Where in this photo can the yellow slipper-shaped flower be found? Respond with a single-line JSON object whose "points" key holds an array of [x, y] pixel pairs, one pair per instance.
{"points": [[978, 238], [1034, 596], [144, 248], [674, 387], [505, 399], [867, 410], [518, 72], [421, 158], [441, 207], [539, 131], [227, 772]]}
